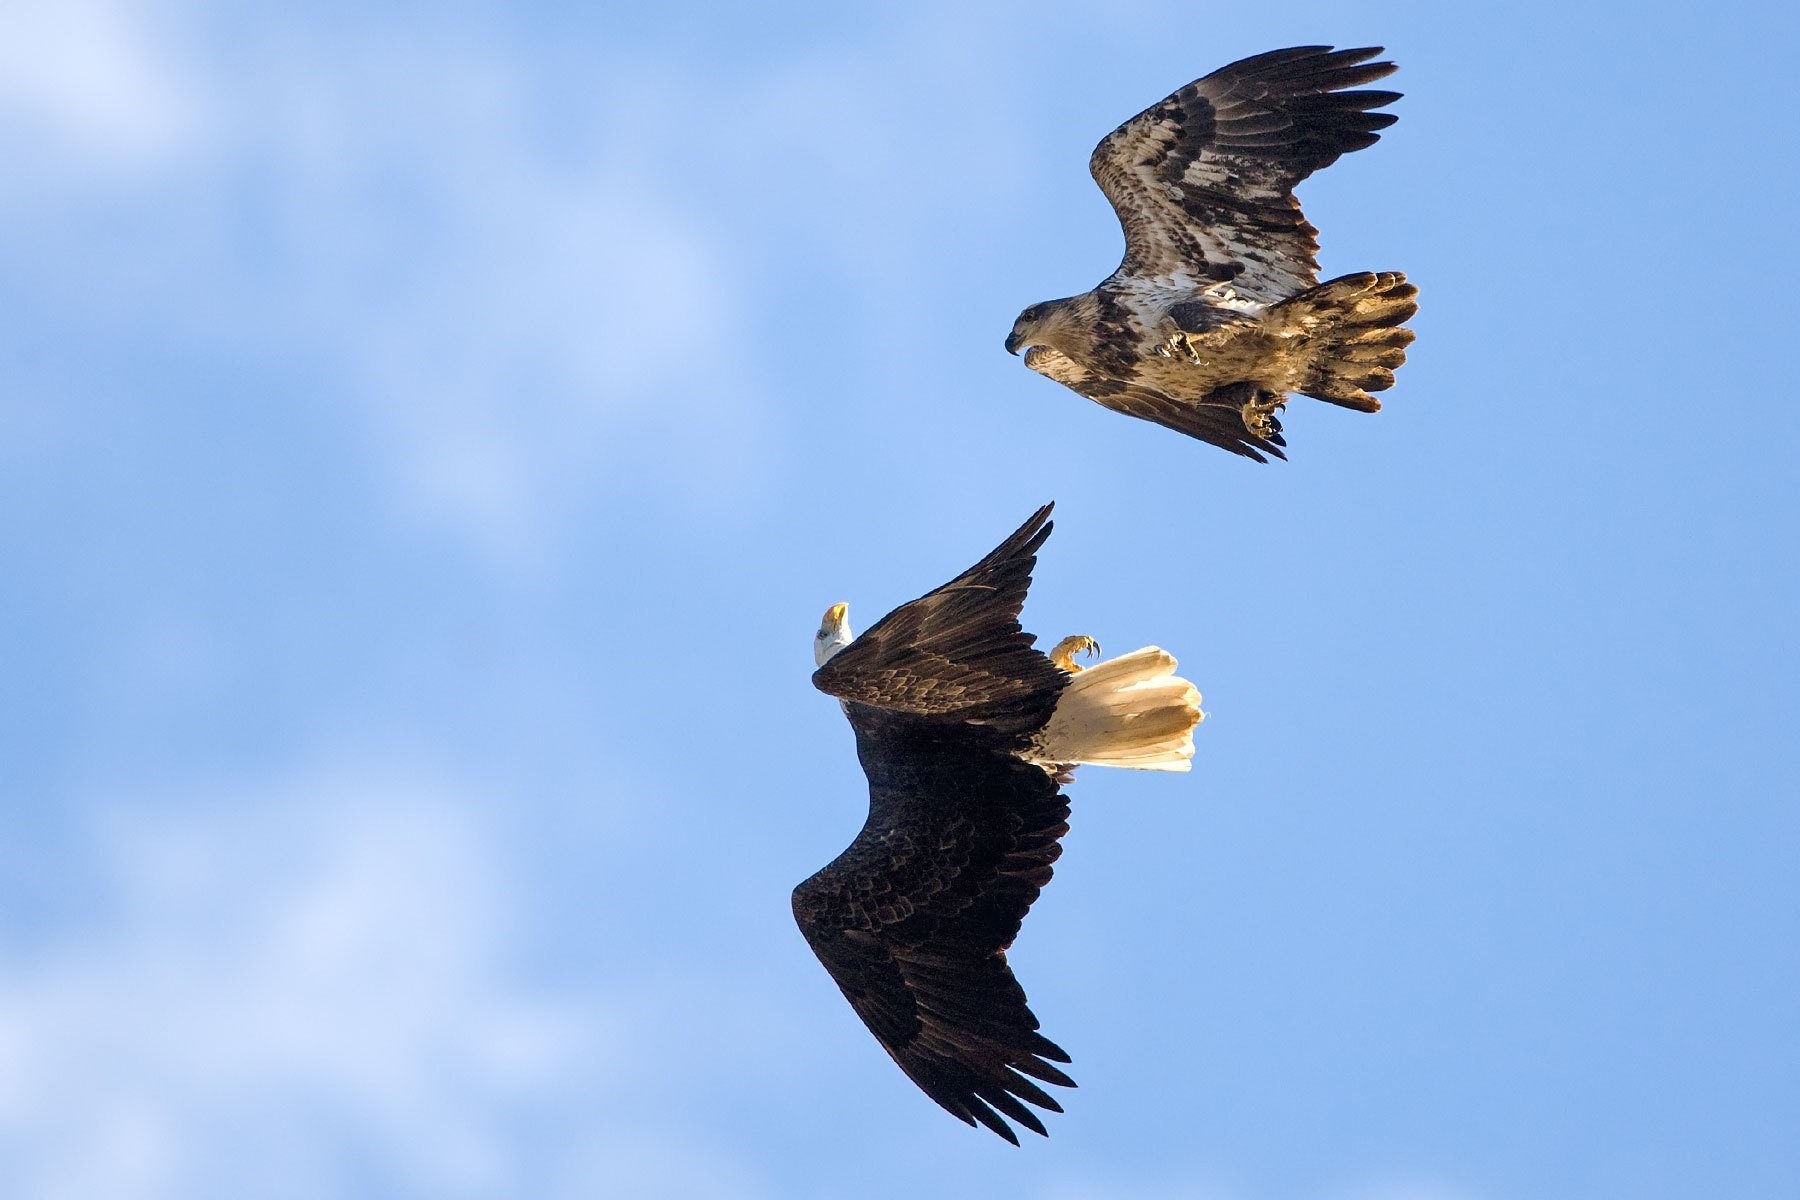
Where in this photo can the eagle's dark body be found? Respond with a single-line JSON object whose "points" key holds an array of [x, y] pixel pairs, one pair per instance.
{"points": [[914, 918], [1216, 312]]}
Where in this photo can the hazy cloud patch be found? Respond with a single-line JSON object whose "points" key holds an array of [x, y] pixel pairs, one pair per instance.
{"points": [[94, 82], [499, 294], [323, 963]]}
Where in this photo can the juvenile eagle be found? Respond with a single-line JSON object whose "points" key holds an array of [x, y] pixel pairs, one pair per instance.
{"points": [[1217, 313], [967, 734]]}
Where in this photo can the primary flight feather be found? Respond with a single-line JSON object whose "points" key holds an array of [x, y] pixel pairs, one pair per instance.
{"points": [[1216, 313], [967, 735]]}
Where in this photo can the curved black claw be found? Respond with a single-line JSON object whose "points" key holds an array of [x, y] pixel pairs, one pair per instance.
{"points": [[1064, 652], [1259, 415], [1179, 345]]}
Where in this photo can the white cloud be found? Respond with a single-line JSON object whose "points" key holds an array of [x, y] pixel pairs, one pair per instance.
{"points": [[505, 296], [92, 80], [320, 965], [513, 308], [522, 277]]}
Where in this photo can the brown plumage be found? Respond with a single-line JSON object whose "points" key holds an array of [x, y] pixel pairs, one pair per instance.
{"points": [[1216, 313], [967, 734]]}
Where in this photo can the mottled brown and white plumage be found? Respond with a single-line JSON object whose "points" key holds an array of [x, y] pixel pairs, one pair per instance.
{"points": [[967, 735], [1216, 313]]}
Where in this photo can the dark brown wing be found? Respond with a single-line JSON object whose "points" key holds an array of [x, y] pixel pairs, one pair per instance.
{"points": [[1203, 182], [1216, 417], [913, 920], [958, 652], [1219, 422]]}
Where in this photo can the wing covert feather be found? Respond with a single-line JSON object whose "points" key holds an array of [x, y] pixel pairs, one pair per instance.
{"points": [[958, 651], [1203, 181]]}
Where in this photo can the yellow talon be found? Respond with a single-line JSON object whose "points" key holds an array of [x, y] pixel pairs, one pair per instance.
{"points": [[1066, 650], [1259, 416]]}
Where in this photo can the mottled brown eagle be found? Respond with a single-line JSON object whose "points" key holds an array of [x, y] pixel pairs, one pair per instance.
{"points": [[967, 734], [1217, 312]]}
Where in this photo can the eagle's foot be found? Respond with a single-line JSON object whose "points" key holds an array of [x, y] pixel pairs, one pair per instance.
{"points": [[1179, 345], [1063, 655], [1259, 416]]}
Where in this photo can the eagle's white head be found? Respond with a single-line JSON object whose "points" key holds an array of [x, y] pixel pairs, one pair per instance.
{"points": [[834, 633]]}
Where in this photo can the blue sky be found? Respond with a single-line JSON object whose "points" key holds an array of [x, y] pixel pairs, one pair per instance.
{"points": [[429, 438]]}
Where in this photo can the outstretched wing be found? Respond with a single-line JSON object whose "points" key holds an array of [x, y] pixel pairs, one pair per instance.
{"points": [[1203, 182], [1211, 418], [958, 652], [913, 920]]}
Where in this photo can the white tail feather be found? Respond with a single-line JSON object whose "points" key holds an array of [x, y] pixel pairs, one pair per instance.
{"points": [[1132, 711]]}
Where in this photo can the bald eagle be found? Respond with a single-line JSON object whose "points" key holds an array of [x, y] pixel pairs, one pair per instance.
{"points": [[1217, 312], [967, 734]]}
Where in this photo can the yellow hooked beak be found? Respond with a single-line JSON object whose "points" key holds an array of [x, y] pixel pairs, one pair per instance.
{"points": [[834, 618]]}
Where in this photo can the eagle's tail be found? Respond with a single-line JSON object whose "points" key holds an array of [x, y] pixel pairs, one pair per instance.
{"points": [[1357, 323], [1132, 711]]}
